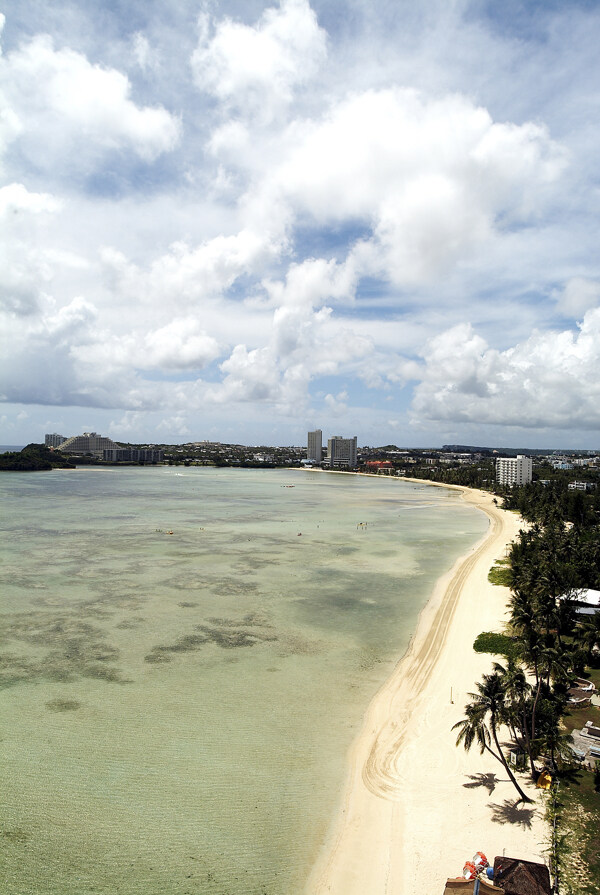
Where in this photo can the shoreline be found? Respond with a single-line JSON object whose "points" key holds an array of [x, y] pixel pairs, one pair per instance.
{"points": [[414, 806]]}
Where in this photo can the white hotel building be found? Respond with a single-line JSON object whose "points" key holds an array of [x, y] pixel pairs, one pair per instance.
{"points": [[341, 451], [514, 470]]}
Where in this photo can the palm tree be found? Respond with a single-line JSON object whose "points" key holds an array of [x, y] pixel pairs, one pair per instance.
{"points": [[515, 712], [476, 728]]}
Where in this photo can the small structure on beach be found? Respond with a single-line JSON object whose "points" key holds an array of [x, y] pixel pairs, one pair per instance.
{"points": [[518, 877], [511, 876]]}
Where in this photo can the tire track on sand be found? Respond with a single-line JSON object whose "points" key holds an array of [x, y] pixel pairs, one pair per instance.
{"points": [[382, 771]]}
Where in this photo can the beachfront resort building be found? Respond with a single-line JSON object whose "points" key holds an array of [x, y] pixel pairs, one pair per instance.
{"points": [[314, 450], [341, 452], [133, 455], [88, 443], [514, 470]]}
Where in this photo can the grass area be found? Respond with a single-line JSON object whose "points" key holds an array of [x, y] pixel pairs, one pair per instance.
{"points": [[496, 644], [501, 573], [580, 813]]}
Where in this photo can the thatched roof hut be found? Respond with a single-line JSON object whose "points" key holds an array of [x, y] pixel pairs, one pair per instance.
{"points": [[518, 877]]}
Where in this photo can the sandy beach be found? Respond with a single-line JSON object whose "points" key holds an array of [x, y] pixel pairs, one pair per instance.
{"points": [[416, 807]]}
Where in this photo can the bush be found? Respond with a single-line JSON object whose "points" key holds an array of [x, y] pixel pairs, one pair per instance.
{"points": [[496, 644], [501, 573]]}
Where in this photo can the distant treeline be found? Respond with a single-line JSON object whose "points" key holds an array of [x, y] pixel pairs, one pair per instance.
{"points": [[555, 501], [34, 458], [479, 475]]}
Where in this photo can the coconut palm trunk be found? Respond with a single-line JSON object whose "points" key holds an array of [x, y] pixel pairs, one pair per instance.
{"points": [[474, 728], [500, 756]]}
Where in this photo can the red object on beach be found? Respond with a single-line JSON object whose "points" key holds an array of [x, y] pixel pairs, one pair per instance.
{"points": [[470, 870], [480, 860]]}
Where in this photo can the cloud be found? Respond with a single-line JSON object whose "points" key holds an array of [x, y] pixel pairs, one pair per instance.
{"points": [[15, 198], [549, 380], [131, 421], [304, 344], [187, 275], [432, 179], [250, 376], [177, 424], [36, 362], [578, 296], [336, 405], [142, 52], [406, 202], [181, 344], [312, 282], [255, 70], [67, 105], [25, 271]]}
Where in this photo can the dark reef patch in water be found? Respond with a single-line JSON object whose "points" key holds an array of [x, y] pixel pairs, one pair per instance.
{"points": [[218, 584], [63, 705], [227, 587], [250, 620], [223, 632], [249, 564], [61, 646], [16, 836], [129, 623], [27, 582]]}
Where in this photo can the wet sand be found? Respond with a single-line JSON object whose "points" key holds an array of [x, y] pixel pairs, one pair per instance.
{"points": [[416, 807]]}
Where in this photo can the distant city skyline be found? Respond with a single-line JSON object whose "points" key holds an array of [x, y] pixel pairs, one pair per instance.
{"points": [[512, 448], [226, 221]]}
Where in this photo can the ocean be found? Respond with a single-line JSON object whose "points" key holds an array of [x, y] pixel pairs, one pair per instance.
{"points": [[187, 655]]}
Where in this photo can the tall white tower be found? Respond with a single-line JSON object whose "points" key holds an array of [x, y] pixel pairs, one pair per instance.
{"points": [[314, 450]]}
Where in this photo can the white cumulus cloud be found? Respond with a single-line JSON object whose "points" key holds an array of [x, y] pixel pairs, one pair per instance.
{"points": [[16, 198], [579, 295], [256, 68], [550, 379], [67, 105], [430, 179]]}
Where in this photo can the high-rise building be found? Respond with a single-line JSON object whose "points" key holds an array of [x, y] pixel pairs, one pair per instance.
{"points": [[341, 451], [54, 439], [314, 450], [514, 470]]}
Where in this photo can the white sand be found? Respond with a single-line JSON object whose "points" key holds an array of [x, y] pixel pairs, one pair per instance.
{"points": [[414, 809]]}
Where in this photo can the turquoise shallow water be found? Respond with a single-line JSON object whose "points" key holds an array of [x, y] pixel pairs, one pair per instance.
{"points": [[177, 708]]}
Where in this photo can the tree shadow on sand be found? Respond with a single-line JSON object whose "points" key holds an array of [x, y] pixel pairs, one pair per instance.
{"points": [[489, 781], [509, 813]]}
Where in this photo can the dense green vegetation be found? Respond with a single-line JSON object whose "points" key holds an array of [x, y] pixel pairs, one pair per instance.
{"points": [[545, 648], [496, 644], [554, 502], [501, 573], [480, 475], [33, 458]]}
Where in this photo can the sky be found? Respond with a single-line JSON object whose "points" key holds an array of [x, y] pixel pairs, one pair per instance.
{"points": [[237, 221]]}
